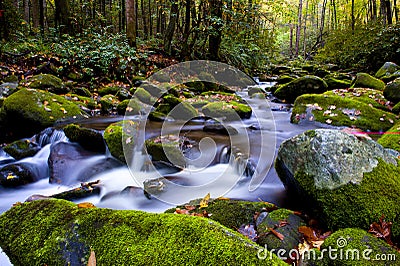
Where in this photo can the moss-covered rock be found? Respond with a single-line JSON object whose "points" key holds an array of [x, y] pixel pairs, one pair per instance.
{"points": [[292, 236], [143, 96], [342, 180], [22, 148], [392, 91], [230, 213], [28, 111], [300, 86], [81, 91], [391, 138], [111, 89], [254, 89], [364, 80], [108, 103], [129, 107], [183, 111], [334, 83], [387, 69], [283, 79], [48, 82], [229, 111], [118, 135], [356, 247], [57, 232], [89, 139], [17, 174], [341, 111], [166, 149], [7, 88]]}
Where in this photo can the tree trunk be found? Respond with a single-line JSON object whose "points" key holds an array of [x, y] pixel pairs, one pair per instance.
{"points": [[35, 14], [388, 12], [298, 28], [214, 39], [150, 19], [62, 15], [395, 10], [144, 19], [169, 33], [130, 7], [353, 21], [291, 41], [305, 32], [26, 11]]}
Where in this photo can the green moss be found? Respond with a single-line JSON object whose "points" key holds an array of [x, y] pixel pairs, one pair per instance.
{"points": [[113, 90], [11, 78], [82, 100], [48, 82], [87, 138], [184, 111], [230, 213], [391, 139], [396, 108], [387, 69], [230, 111], [392, 91], [144, 96], [283, 79], [280, 214], [357, 205], [29, 111], [108, 103], [21, 148], [342, 112], [356, 241], [81, 91], [129, 107], [166, 151], [336, 83], [119, 134], [364, 80], [52, 232]]}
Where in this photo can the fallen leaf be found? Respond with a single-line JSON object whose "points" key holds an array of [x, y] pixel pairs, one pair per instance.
{"points": [[190, 207], [382, 230], [277, 234], [92, 258], [86, 205], [308, 233], [204, 201]]}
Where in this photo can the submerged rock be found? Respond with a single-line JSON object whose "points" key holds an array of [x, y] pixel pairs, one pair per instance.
{"points": [[119, 237], [300, 86], [341, 179]]}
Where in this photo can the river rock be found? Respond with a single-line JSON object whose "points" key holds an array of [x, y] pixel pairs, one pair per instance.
{"points": [[125, 237], [27, 112], [129, 107], [70, 163], [166, 149], [22, 148], [358, 247], [361, 108], [119, 135], [292, 236], [364, 80], [228, 111], [334, 83], [108, 103], [8, 88], [300, 86], [17, 174], [343, 180], [391, 138], [392, 91], [388, 69], [48, 82], [89, 139]]}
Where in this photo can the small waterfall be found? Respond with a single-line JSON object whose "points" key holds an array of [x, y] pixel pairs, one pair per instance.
{"points": [[49, 135]]}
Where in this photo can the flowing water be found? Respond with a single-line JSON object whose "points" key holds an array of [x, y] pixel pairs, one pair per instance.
{"points": [[119, 190]]}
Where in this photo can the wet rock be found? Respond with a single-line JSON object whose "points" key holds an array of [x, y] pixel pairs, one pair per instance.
{"points": [[7, 88], [108, 103], [27, 112], [343, 180], [300, 86], [17, 174], [22, 148], [228, 111], [69, 163], [144, 96], [89, 139], [334, 83], [118, 135], [286, 223], [129, 107], [392, 91], [72, 232], [48, 82], [364, 80], [254, 89], [166, 149], [220, 129]]}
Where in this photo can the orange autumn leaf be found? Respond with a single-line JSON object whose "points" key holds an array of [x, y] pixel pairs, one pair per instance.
{"points": [[277, 234], [86, 205]]}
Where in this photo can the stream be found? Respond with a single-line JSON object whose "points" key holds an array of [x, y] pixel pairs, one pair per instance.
{"points": [[275, 123]]}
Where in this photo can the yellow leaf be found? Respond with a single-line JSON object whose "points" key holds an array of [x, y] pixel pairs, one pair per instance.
{"points": [[86, 205], [10, 176], [204, 201]]}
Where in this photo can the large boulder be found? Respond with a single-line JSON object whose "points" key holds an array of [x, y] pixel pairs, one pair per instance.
{"points": [[364, 80], [17, 174], [338, 109], [228, 111], [387, 69], [89, 139], [48, 82], [28, 111], [341, 179], [300, 86], [58, 232], [166, 149], [391, 138], [392, 91], [357, 247]]}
